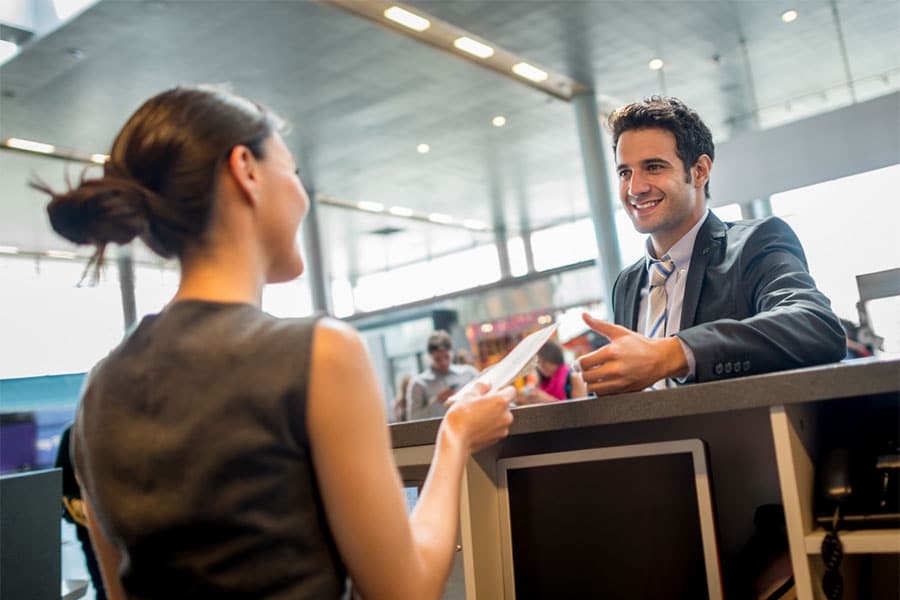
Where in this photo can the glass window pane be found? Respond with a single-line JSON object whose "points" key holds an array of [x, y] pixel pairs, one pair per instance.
{"points": [[847, 226], [290, 299], [518, 264], [52, 326], [153, 288], [563, 244]]}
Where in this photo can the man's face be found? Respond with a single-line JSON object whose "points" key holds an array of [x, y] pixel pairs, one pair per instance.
{"points": [[654, 186], [440, 360]]}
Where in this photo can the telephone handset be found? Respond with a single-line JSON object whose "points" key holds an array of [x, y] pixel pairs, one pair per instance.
{"points": [[860, 487]]}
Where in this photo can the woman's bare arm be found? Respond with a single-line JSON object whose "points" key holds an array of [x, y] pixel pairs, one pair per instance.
{"points": [[388, 554]]}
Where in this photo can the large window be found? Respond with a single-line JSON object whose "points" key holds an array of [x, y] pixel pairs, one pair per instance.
{"points": [[49, 324], [442, 275], [848, 227]]}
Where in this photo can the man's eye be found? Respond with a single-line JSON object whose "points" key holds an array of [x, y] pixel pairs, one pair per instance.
{"points": [[624, 174]]}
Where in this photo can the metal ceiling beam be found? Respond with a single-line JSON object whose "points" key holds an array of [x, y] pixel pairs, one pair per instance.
{"points": [[440, 34]]}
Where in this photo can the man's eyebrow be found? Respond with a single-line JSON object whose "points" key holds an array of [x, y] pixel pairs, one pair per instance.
{"points": [[645, 161]]}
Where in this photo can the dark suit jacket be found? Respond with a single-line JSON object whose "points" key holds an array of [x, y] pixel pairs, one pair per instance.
{"points": [[750, 305]]}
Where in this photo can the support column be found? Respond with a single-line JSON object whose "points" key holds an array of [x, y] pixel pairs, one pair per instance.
{"points": [[757, 209], [312, 257], [125, 265], [529, 251], [597, 158], [502, 252]]}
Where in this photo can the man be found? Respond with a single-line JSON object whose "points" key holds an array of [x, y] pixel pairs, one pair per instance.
{"points": [[430, 389], [711, 300]]}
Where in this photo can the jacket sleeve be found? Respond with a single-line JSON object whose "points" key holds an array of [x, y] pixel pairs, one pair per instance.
{"points": [[791, 323]]}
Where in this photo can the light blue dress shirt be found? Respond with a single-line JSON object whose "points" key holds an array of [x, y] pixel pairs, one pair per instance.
{"points": [[680, 253]]}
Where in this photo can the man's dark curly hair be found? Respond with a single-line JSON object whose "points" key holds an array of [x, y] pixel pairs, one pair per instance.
{"points": [[692, 136]]}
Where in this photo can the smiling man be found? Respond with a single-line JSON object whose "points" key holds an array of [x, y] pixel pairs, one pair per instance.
{"points": [[710, 300]]}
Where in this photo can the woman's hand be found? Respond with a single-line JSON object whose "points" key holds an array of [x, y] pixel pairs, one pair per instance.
{"points": [[477, 419]]}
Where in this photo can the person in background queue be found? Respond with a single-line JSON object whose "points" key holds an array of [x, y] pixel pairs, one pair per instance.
{"points": [[556, 380], [429, 390]]}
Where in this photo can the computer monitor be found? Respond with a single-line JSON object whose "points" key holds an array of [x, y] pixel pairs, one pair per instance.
{"points": [[631, 521], [18, 436]]}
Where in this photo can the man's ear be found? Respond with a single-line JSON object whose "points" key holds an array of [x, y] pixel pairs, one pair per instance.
{"points": [[244, 169], [700, 171]]}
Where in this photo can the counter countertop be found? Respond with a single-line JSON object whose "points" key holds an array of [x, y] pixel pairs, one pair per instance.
{"points": [[859, 377]]}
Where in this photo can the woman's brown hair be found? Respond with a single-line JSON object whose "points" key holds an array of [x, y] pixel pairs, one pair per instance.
{"points": [[160, 180]]}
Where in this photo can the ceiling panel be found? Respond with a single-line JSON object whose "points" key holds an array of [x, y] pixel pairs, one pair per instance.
{"points": [[361, 97]]}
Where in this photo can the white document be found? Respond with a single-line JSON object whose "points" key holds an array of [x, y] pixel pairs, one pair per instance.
{"points": [[504, 372]]}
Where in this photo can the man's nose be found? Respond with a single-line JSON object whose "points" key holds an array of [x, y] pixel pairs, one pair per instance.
{"points": [[637, 185]]}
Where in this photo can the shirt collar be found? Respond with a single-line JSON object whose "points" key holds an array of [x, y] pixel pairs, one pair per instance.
{"points": [[681, 251]]}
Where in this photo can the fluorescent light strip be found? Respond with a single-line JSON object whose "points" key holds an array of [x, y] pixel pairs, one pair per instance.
{"points": [[20, 144], [100, 159], [60, 254], [473, 47], [529, 72], [408, 19], [401, 211], [370, 206], [474, 224], [8, 250], [440, 218]]}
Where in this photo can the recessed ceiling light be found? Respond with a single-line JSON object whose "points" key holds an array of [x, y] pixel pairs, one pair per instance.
{"points": [[789, 16], [473, 47], [498, 121], [31, 146], [423, 148], [370, 206], [656, 64], [440, 218], [407, 19], [474, 224], [530, 72], [99, 158], [401, 211]]}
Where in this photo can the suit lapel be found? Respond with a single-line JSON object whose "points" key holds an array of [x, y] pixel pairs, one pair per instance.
{"points": [[711, 234], [633, 283]]}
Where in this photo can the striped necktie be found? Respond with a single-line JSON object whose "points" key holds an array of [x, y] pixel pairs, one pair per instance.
{"points": [[657, 299]]}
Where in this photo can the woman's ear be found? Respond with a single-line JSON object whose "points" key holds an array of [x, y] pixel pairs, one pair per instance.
{"points": [[244, 168]]}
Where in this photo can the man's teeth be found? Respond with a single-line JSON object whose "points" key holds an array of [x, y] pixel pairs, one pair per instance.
{"points": [[647, 204]]}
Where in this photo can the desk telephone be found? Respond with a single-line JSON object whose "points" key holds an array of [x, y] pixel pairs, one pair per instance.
{"points": [[859, 487]]}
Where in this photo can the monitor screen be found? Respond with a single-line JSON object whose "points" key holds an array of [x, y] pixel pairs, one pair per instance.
{"points": [[18, 436], [626, 522]]}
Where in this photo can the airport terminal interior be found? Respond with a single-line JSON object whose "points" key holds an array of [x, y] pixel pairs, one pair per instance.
{"points": [[470, 186]]}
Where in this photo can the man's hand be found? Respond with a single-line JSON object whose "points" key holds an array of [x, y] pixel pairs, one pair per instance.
{"points": [[631, 361]]}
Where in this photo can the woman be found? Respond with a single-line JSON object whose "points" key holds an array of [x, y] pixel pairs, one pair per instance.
{"points": [[223, 452], [556, 381]]}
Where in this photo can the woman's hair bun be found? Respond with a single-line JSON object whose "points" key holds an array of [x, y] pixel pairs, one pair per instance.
{"points": [[99, 211]]}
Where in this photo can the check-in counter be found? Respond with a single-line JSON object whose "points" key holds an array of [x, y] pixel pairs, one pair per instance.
{"points": [[763, 437]]}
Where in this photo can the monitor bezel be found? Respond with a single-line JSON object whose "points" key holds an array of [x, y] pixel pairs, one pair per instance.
{"points": [[694, 447]]}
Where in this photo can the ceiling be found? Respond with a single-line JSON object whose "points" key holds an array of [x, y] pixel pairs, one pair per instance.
{"points": [[361, 97]]}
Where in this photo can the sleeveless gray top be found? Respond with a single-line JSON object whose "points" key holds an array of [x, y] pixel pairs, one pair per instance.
{"points": [[191, 442]]}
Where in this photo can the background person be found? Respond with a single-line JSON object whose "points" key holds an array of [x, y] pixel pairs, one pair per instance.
{"points": [[430, 389], [710, 300], [73, 512], [223, 452], [556, 381]]}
